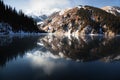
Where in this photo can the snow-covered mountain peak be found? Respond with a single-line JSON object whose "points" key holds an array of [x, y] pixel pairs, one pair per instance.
{"points": [[40, 15], [46, 12], [112, 9], [107, 7]]}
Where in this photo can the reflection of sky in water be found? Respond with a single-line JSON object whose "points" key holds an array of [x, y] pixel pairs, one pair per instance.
{"points": [[40, 63], [55, 64], [46, 60]]}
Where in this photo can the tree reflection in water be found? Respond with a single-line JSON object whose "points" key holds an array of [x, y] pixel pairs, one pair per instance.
{"points": [[13, 46]]}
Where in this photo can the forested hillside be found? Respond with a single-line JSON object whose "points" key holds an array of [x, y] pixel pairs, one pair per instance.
{"points": [[16, 19]]}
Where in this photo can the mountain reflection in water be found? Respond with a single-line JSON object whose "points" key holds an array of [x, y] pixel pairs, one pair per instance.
{"points": [[53, 57], [83, 48]]}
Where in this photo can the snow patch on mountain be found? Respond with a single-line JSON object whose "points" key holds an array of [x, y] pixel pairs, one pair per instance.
{"points": [[39, 18], [112, 9], [46, 12], [6, 29], [42, 14]]}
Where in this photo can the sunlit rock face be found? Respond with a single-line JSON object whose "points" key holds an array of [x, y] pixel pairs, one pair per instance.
{"points": [[83, 48], [82, 20]]}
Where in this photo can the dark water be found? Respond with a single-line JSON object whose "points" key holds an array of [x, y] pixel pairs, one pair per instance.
{"points": [[49, 57]]}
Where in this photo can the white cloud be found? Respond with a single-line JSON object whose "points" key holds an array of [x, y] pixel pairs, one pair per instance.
{"points": [[49, 4], [42, 5]]}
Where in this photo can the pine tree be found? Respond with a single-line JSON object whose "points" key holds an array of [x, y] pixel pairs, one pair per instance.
{"points": [[18, 20]]}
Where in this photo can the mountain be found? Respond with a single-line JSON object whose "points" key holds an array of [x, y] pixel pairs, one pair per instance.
{"points": [[37, 17], [112, 9], [41, 15], [82, 20], [40, 18]]}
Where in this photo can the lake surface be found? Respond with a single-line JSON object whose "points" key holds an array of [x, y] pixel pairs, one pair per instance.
{"points": [[52, 57]]}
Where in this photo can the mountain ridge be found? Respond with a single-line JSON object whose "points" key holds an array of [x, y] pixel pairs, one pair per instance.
{"points": [[112, 9], [83, 20], [42, 14]]}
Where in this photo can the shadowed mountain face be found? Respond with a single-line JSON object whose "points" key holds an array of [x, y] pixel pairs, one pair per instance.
{"points": [[82, 20], [83, 48]]}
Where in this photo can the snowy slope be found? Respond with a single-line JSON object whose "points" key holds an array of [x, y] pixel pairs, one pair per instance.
{"points": [[112, 9], [39, 18], [6, 29], [41, 14]]}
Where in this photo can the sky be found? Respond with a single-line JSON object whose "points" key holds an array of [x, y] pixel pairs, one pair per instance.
{"points": [[31, 5]]}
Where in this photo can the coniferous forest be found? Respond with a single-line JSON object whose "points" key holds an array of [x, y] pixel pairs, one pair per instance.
{"points": [[17, 19]]}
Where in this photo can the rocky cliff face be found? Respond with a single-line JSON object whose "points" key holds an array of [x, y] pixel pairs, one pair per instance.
{"points": [[82, 20]]}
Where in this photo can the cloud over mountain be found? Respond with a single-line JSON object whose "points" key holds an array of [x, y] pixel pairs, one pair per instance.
{"points": [[49, 4]]}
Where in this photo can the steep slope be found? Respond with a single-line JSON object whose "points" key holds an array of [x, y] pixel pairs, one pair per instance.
{"points": [[112, 9], [18, 21], [82, 20]]}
